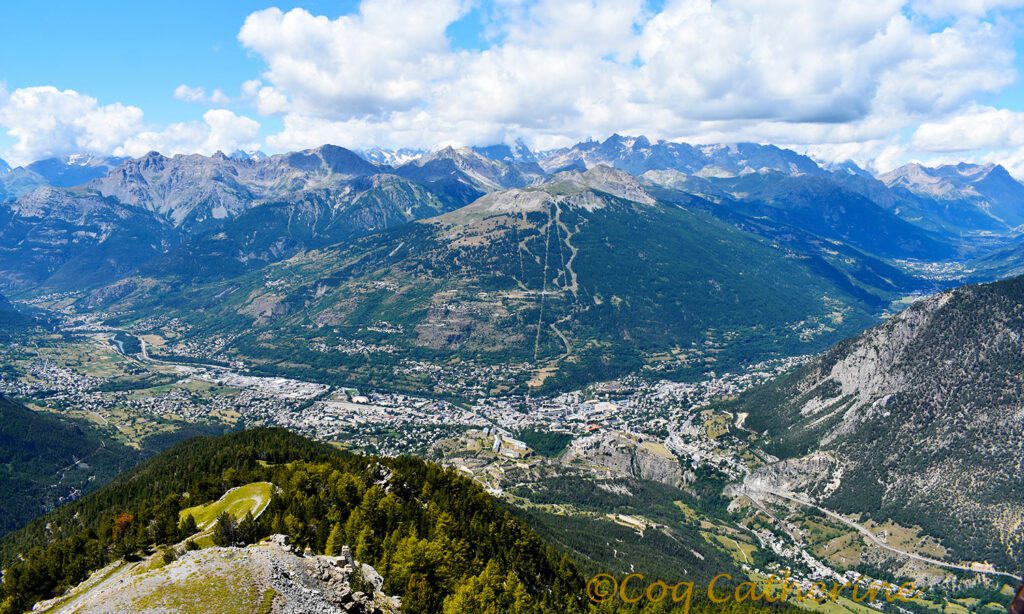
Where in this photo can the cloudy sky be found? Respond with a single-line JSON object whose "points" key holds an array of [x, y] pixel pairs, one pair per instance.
{"points": [[879, 81]]}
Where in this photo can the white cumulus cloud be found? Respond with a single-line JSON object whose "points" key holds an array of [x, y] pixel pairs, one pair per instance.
{"points": [[220, 130], [45, 121], [975, 128], [882, 81], [841, 76], [383, 58], [198, 94]]}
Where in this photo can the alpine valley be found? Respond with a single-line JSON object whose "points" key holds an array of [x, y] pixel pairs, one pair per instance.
{"points": [[623, 356]]}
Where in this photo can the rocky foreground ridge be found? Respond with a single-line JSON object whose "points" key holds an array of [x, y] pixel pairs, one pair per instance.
{"points": [[270, 577]]}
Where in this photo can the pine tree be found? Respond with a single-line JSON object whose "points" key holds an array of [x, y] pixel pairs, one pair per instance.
{"points": [[188, 526], [491, 592], [247, 530], [226, 531], [333, 547], [366, 547], [418, 596]]}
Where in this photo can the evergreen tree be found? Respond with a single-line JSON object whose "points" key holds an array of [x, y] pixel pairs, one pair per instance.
{"points": [[188, 526], [225, 533], [247, 531], [491, 592], [333, 547], [418, 596]]}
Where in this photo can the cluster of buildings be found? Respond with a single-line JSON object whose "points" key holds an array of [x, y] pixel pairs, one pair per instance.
{"points": [[353, 346], [466, 379], [45, 376], [209, 348], [388, 424]]}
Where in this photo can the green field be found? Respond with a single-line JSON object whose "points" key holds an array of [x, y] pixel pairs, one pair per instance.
{"points": [[252, 497]]}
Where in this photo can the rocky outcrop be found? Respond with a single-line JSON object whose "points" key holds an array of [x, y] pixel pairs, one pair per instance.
{"points": [[268, 577], [860, 381], [623, 454], [797, 475]]}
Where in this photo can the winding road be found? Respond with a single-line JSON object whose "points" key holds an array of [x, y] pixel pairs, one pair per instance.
{"points": [[873, 539]]}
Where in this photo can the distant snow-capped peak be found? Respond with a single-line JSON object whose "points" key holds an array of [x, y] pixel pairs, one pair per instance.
{"points": [[391, 157], [253, 154]]}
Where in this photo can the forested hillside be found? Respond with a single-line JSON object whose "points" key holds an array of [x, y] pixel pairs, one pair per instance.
{"points": [[439, 540], [430, 532], [921, 420], [45, 461]]}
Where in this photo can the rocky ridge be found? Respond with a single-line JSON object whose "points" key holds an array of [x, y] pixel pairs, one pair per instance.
{"points": [[267, 577]]}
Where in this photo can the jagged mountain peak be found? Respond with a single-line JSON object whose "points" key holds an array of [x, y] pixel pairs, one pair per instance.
{"points": [[522, 151], [465, 166], [639, 154], [602, 178], [985, 172], [254, 155], [192, 189], [988, 190], [967, 169], [744, 158], [466, 156], [61, 203], [331, 158], [4, 167], [62, 171], [585, 190], [455, 157], [517, 151], [449, 152], [916, 177], [847, 167], [629, 142], [915, 173]]}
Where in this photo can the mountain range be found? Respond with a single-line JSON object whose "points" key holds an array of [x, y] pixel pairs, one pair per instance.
{"points": [[962, 195], [587, 272], [567, 271], [64, 171], [570, 259], [195, 189]]}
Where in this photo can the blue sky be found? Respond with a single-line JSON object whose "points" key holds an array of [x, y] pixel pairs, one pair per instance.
{"points": [[881, 82], [134, 52], [138, 52]]}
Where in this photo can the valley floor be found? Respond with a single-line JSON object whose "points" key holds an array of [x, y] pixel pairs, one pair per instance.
{"points": [[609, 439]]}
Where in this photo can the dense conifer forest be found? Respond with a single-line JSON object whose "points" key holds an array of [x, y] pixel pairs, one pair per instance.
{"points": [[440, 541]]}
